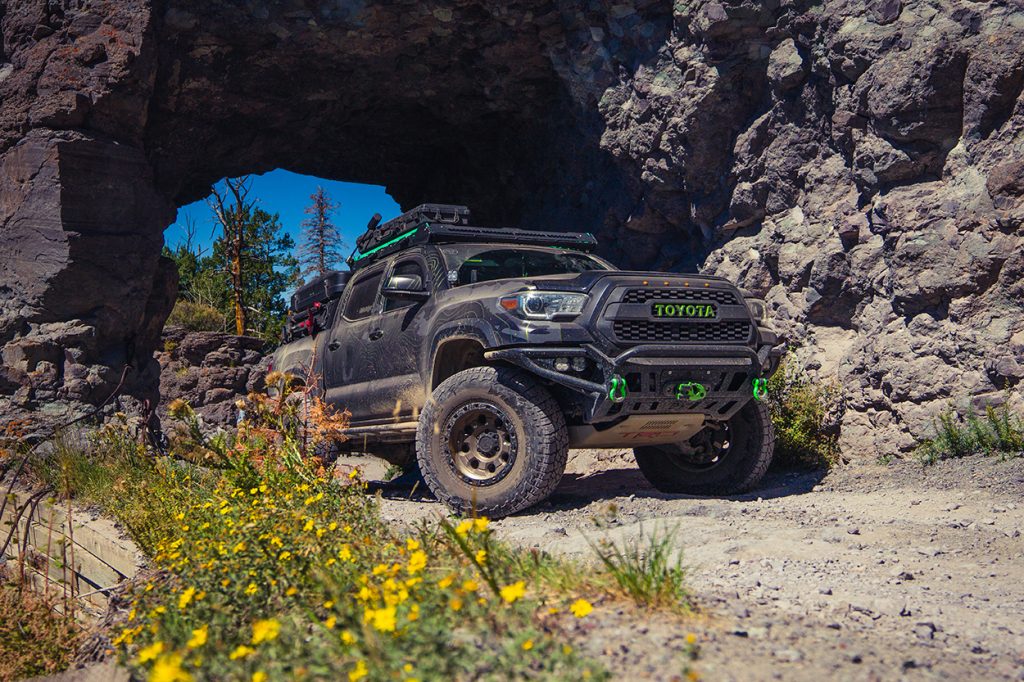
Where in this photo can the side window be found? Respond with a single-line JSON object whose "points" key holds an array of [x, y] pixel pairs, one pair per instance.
{"points": [[364, 292], [409, 267]]}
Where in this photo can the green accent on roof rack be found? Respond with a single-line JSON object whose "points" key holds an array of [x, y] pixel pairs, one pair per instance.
{"points": [[387, 243]]}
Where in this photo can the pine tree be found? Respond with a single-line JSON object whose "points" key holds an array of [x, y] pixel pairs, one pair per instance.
{"points": [[321, 246]]}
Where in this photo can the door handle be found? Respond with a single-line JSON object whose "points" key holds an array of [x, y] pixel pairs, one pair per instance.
{"points": [[334, 345], [376, 334]]}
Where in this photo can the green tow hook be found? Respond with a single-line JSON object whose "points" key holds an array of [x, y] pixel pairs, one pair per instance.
{"points": [[760, 389], [617, 389], [691, 390]]}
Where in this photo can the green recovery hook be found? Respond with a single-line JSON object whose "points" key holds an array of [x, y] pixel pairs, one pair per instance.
{"points": [[691, 390], [617, 389], [760, 388]]}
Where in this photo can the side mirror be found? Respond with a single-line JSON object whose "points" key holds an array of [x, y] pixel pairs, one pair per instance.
{"points": [[406, 288]]}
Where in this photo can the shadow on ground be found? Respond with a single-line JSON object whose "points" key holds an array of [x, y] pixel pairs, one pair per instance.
{"points": [[579, 490]]}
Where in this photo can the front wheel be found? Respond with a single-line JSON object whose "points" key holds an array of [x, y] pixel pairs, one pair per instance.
{"points": [[726, 458], [490, 439]]}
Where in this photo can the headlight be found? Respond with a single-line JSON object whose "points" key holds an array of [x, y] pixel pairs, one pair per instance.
{"points": [[758, 308], [544, 305]]}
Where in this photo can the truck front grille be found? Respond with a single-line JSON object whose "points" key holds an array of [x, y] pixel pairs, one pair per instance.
{"points": [[642, 331], [719, 296]]}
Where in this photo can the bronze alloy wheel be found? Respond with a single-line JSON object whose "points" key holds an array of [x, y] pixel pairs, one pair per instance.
{"points": [[481, 443]]}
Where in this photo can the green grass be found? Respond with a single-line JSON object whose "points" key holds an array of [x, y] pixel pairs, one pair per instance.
{"points": [[649, 570], [110, 469], [805, 415], [998, 432]]}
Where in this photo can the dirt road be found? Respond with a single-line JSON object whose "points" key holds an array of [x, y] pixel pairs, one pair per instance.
{"points": [[871, 572]]}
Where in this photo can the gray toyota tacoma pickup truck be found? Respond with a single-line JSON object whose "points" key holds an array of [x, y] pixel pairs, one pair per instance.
{"points": [[483, 355]]}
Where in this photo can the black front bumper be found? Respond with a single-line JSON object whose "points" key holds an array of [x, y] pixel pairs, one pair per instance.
{"points": [[653, 374]]}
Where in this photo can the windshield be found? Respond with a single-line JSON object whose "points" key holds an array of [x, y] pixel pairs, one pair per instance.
{"points": [[480, 264]]}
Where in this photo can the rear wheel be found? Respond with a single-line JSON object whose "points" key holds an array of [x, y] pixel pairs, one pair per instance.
{"points": [[491, 439], [725, 458]]}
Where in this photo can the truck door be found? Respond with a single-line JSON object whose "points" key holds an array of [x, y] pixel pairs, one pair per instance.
{"points": [[349, 366], [396, 342]]}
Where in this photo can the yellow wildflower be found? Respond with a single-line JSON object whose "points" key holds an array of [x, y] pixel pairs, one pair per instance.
{"points": [[383, 619], [412, 544], [352, 475], [345, 554], [480, 524], [265, 630], [284, 556], [347, 637], [470, 586], [358, 672], [333, 525], [481, 556], [199, 636], [510, 593], [456, 604], [691, 638], [241, 652], [240, 547], [527, 645], [251, 589], [259, 676], [150, 652], [330, 622], [464, 527], [168, 669], [291, 591], [185, 598], [581, 607], [417, 561], [308, 527], [446, 582]]}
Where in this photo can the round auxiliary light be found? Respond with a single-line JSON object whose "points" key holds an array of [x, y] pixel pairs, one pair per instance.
{"points": [[579, 364], [562, 364]]}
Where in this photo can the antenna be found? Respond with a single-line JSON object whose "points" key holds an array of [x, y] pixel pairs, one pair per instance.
{"points": [[374, 222]]}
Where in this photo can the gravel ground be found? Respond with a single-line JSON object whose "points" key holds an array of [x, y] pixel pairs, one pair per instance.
{"points": [[870, 572]]}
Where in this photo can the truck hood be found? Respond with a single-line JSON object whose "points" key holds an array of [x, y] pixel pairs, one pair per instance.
{"points": [[585, 281]]}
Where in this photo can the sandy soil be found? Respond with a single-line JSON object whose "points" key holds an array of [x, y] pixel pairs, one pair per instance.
{"points": [[870, 572]]}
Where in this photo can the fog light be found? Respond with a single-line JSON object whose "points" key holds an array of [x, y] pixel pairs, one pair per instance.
{"points": [[562, 364], [579, 363]]}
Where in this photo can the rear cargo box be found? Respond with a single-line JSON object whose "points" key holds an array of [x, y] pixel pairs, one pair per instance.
{"points": [[312, 305]]}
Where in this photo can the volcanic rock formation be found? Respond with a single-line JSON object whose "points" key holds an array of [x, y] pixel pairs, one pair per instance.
{"points": [[858, 164]]}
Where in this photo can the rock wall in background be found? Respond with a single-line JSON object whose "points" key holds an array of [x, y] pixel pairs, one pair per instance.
{"points": [[857, 164], [210, 371]]}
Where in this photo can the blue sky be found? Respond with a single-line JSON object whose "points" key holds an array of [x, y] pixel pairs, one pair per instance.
{"points": [[287, 194]]}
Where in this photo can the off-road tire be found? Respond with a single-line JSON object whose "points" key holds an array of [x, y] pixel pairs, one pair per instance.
{"points": [[542, 441], [752, 442]]}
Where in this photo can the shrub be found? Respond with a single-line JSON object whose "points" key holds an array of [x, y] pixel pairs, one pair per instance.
{"points": [[806, 417], [197, 317], [35, 639], [282, 570], [1000, 432]]}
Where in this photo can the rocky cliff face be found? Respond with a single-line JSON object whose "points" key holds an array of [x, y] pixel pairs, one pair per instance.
{"points": [[858, 164]]}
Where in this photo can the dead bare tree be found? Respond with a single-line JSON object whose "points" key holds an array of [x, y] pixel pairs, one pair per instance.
{"points": [[232, 208]]}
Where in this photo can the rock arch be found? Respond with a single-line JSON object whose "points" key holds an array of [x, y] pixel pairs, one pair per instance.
{"points": [[833, 156]]}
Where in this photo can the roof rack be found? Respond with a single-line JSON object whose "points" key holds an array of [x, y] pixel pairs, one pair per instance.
{"points": [[432, 233]]}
